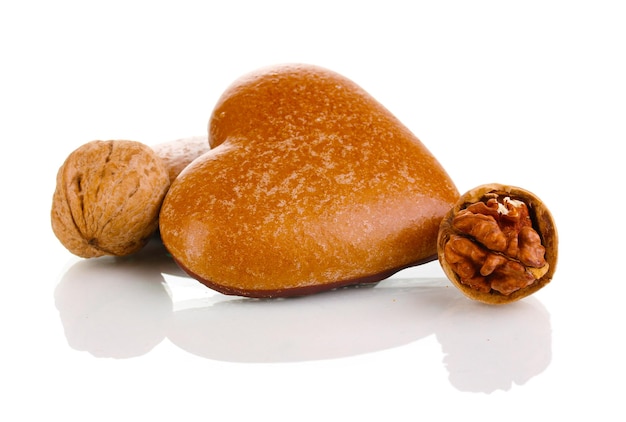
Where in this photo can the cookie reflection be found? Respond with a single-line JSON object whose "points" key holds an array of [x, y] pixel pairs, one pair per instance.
{"points": [[334, 324]]}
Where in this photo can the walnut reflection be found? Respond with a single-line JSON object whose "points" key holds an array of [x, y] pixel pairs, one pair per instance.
{"points": [[488, 348], [116, 307]]}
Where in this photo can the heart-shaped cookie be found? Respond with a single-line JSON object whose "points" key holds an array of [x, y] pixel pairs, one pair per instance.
{"points": [[310, 184]]}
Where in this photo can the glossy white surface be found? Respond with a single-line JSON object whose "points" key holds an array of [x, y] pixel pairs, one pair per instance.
{"points": [[530, 94]]}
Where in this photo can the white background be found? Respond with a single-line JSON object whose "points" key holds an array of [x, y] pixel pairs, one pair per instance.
{"points": [[527, 93]]}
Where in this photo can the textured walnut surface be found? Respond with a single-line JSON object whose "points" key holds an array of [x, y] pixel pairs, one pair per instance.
{"points": [[178, 154], [107, 198]]}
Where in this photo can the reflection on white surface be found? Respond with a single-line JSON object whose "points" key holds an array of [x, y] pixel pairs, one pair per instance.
{"points": [[123, 308], [490, 348], [115, 307], [335, 324]]}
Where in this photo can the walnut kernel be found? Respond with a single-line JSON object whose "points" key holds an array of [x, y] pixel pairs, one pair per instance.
{"points": [[498, 244]]}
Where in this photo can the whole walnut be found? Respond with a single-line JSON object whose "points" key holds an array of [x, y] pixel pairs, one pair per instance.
{"points": [[107, 198]]}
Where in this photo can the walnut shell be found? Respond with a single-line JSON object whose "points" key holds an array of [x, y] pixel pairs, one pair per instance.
{"points": [[496, 252], [107, 198], [178, 154]]}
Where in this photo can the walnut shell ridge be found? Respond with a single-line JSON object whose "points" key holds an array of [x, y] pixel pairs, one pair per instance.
{"points": [[107, 198]]}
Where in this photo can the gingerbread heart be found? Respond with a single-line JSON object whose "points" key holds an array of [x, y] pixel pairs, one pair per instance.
{"points": [[310, 184]]}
